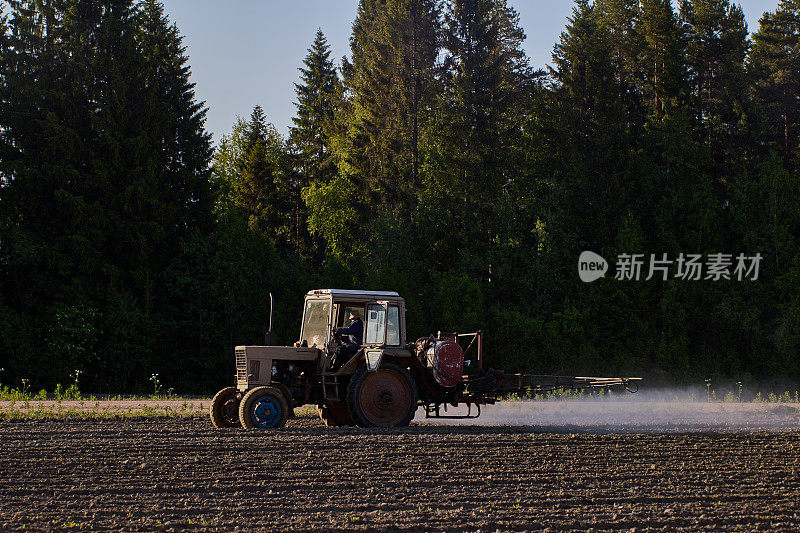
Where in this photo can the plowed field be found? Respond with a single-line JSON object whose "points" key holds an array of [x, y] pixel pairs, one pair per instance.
{"points": [[168, 474]]}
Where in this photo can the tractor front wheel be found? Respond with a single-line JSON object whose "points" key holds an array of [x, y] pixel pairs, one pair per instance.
{"points": [[263, 408], [224, 408], [386, 397]]}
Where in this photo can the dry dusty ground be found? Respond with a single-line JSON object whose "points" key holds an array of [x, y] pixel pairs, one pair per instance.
{"points": [[155, 474]]}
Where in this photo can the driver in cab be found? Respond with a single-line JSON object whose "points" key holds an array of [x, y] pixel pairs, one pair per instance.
{"points": [[352, 337]]}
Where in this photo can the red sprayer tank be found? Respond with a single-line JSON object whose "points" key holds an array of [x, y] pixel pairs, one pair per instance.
{"points": [[447, 359]]}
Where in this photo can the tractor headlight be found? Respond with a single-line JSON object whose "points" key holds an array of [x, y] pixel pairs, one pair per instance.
{"points": [[374, 359]]}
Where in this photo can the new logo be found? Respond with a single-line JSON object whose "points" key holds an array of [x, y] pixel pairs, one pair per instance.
{"points": [[591, 267]]}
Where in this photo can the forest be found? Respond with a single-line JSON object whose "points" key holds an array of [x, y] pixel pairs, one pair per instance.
{"points": [[433, 160]]}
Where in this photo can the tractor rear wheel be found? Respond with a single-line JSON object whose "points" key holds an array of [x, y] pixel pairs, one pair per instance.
{"points": [[224, 408], [336, 414], [263, 408], [386, 397]]}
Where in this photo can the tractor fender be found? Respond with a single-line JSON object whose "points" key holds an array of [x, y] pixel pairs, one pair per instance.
{"points": [[286, 393]]}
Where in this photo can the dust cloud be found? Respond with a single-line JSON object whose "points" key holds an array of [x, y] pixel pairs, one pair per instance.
{"points": [[661, 411]]}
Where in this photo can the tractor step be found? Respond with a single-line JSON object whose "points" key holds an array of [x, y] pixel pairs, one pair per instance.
{"points": [[330, 388]]}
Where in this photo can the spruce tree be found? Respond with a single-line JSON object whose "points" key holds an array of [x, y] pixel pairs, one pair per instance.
{"points": [[318, 97], [391, 75], [262, 184], [590, 137], [180, 145], [582, 59], [472, 160], [319, 101], [484, 70]]}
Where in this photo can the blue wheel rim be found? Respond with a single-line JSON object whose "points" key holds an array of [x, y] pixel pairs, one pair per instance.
{"points": [[266, 412]]}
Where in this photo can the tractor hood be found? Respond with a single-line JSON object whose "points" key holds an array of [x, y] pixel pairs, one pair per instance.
{"points": [[254, 363]]}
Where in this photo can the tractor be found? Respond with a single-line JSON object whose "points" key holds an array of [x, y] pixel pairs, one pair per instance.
{"points": [[383, 383]]}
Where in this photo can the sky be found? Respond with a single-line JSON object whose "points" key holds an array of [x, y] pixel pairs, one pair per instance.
{"points": [[247, 52]]}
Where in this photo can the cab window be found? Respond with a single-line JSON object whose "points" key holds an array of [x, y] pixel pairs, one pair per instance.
{"points": [[344, 312], [393, 326], [315, 322], [376, 324]]}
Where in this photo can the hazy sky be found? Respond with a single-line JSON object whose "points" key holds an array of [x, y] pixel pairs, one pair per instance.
{"points": [[247, 52]]}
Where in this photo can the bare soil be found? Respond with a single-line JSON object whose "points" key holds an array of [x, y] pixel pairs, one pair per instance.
{"points": [[177, 474]]}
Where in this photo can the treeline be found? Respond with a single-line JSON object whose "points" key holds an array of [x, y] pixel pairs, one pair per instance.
{"points": [[433, 161]]}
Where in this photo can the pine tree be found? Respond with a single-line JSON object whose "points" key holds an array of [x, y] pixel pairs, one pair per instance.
{"points": [[621, 17], [716, 50], [774, 65], [661, 57]]}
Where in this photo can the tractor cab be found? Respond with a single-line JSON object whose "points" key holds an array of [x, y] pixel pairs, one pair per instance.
{"points": [[326, 310]]}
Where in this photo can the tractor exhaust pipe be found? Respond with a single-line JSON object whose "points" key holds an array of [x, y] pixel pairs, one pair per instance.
{"points": [[269, 337]]}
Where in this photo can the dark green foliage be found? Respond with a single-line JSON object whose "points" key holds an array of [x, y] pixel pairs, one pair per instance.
{"points": [[622, 17], [105, 175], [440, 166]]}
